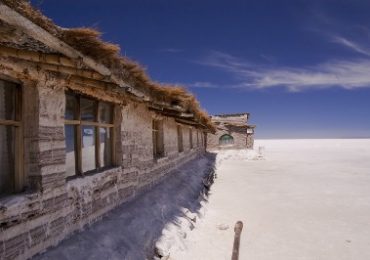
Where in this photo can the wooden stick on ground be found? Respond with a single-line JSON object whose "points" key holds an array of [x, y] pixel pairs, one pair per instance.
{"points": [[238, 230]]}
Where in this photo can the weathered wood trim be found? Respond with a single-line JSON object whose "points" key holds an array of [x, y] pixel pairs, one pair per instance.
{"points": [[175, 114], [97, 137], [186, 122], [114, 135], [163, 106], [236, 245], [78, 145], [168, 110], [87, 123], [55, 59], [72, 122], [88, 74], [10, 122], [91, 82], [19, 180]]}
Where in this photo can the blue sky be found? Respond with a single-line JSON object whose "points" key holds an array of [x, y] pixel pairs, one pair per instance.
{"points": [[301, 68]]}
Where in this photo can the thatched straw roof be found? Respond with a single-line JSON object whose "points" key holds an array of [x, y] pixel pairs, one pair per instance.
{"points": [[88, 41]]}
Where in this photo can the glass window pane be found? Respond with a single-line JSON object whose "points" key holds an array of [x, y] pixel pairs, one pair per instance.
{"points": [[70, 132], [71, 107], [88, 109], [105, 147], [106, 113], [88, 148], [8, 92], [7, 160]]}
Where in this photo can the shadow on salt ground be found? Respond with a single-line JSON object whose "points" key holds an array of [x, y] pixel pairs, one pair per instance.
{"points": [[130, 231]]}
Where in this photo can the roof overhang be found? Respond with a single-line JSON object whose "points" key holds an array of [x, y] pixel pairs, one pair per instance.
{"points": [[15, 19]]}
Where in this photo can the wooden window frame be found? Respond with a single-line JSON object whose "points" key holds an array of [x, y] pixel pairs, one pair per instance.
{"points": [[18, 178], [180, 141], [155, 134], [78, 124], [191, 145]]}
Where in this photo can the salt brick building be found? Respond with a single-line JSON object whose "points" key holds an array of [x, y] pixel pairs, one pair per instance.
{"points": [[82, 129], [232, 132]]}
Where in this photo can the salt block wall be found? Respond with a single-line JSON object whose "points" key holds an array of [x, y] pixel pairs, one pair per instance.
{"points": [[234, 125], [250, 141], [53, 207], [240, 139]]}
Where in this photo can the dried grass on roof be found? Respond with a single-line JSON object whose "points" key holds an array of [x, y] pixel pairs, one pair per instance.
{"points": [[88, 41]]}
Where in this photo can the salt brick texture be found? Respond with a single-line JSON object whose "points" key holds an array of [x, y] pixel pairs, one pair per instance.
{"points": [[236, 126], [54, 207]]}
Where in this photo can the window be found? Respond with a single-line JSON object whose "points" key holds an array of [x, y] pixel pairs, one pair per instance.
{"points": [[10, 138], [191, 138], [180, 144], [226, 140], [158, 144], [197, 138], [89, 130]]}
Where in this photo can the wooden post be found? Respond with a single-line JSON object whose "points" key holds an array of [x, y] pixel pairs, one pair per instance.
{"points": [[238, 230]]}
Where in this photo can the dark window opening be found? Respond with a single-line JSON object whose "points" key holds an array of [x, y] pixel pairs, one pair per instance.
{"points": [[158, 142], [180, 144], [10, 138], [191, 138]]}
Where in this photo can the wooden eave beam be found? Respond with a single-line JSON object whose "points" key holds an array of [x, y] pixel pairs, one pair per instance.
{"points": [[87, 74], [171, 112], [182, 118], [163, 105], [92, 82], [186, 122], [165, 112], [55, 59]]}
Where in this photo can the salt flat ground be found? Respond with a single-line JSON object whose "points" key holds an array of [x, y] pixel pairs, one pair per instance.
{"points": [[307, 199]]}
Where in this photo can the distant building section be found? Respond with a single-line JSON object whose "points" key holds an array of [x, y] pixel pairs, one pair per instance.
{"points": [[233, 132]]}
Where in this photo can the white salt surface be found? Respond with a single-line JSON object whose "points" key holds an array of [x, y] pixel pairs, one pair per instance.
{"points": [[307, 199]]}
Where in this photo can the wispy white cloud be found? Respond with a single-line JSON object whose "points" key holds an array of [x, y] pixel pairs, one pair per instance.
{"points": [[268, 58], [196, 84], [337, 73], [223, 60], [351, 44], [201, 84]]}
